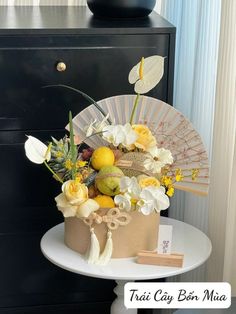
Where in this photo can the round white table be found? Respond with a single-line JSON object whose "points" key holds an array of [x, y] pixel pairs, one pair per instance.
{"points": [[188, 240]]}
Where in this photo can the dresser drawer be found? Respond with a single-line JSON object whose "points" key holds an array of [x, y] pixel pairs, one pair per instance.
{"points": [[100, 71]]}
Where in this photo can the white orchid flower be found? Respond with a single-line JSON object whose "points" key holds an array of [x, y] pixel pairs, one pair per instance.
{"points": [[96, 126], [160, 157], [36, 151], [153, 198], [123, 201], [119, 134], [147, 74], [130, 186]]}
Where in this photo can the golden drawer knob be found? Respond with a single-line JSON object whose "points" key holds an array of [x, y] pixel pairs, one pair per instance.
{"points": [[61, 66]]}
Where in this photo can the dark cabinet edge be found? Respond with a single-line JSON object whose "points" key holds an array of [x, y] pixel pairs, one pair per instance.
{"points": [[81, 31], [59, 20]]}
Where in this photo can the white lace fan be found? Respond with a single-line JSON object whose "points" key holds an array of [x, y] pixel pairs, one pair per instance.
{"points": [[172, 131]]}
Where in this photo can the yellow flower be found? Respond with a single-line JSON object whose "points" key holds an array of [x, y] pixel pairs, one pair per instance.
{"points": [[81, 163], [166, 181], [170, 192], [59, 154], [178, 175], [145, 181], [68, 164], [75, 192], [195, 173], [145, 140], [79, 178]]}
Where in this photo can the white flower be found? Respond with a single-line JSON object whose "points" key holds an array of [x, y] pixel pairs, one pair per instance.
{"points": [[82, 210], [130, 186], [123, 201], [147, 74], [119, 134], [96, 126], [159, 159], [65, 207], [86, 208], [153, 198], [36, 151]]}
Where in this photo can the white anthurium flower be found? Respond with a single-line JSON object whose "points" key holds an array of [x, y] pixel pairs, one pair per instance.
{"points": [[147, 74], [119, 134], [36, 151], [160, 157], [123, 201], [96, 126], [153, 198], [130, 186]]}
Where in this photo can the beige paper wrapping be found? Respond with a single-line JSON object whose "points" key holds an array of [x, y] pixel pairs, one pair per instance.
{"points": [[140, 234]]}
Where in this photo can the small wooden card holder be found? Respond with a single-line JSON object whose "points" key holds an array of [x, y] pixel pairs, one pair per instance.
{"points": [[153, 258]]}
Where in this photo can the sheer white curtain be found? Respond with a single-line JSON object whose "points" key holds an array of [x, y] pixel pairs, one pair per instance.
{"points": [[222, 209], [205, 91], [198, 24]]}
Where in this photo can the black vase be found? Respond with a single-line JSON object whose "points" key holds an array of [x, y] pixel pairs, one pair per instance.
{"points": [[121, 8]]}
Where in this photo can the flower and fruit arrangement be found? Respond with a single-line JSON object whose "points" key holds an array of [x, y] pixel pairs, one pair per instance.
{"points": [[130, 173]]}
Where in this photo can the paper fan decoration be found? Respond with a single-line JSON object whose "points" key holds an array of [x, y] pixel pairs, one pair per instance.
{"points": [[172, 130]]}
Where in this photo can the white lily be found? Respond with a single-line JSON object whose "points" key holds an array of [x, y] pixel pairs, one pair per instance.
{"points": [[153, 198], [147, 74], [96, 126], [158, 160], [119, 134], [36, 151]]}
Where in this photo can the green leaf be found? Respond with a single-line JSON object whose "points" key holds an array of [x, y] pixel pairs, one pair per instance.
{"points": [[87, 97], [73, 147]]}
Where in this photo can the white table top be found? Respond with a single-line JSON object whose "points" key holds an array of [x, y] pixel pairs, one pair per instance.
{"points": [[187, 240]]}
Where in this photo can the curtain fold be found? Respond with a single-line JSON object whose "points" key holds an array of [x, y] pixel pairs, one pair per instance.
{"points": [[222, 210], [198, 25]]}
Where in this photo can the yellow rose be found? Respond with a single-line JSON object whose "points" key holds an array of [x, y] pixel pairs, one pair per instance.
{"points": [[145, 138], [145, 181], [75, 192]]}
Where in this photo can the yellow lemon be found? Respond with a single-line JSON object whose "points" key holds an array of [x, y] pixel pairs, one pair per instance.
{"points": [[102, 156], [104, 201]]}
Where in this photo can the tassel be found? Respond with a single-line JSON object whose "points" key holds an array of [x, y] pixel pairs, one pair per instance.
{"points": [[94, 250], [107, 252]]}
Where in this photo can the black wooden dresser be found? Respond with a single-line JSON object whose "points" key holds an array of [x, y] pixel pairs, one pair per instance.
{"points": [[97, 56]]}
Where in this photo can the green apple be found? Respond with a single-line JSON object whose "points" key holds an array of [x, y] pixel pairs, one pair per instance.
{"points": [[108, 180]]}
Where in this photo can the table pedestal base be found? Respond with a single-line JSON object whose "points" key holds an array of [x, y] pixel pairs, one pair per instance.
{"points": [[118, 306]]}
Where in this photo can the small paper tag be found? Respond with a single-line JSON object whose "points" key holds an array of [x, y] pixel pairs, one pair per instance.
{"points": [[165, 239]]}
